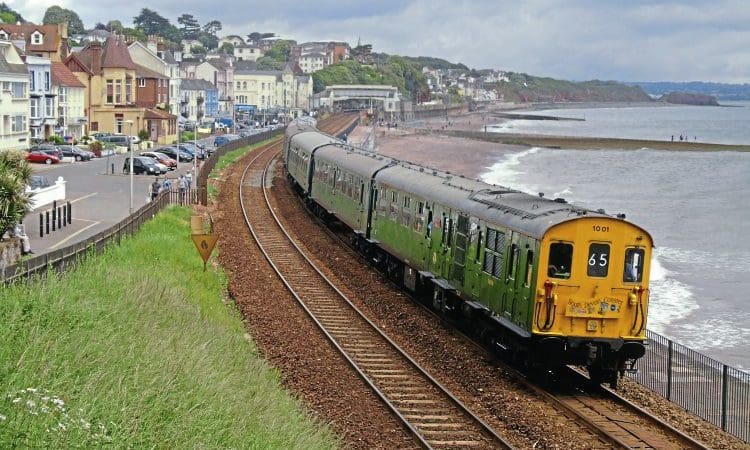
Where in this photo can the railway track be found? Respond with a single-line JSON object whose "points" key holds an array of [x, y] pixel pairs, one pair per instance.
{"points": [[615, 421], [432, 414]]}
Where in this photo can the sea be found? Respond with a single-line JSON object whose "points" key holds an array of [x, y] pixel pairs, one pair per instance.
{"points": [[696, 206]]}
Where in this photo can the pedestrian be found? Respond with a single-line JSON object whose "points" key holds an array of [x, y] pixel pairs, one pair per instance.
{"points": [[167, 185], [19, 231], [182, 186], [189, 179], [155, 188], [673, 138]]}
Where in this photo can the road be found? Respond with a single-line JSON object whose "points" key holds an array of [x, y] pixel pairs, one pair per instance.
{"points": [[99, 198]]}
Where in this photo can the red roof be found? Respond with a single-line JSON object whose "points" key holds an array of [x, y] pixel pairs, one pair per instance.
{"points": [[62, 76], [51, 38], [113, 54]]}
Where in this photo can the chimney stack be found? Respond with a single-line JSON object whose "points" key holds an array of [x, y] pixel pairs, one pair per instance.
{"points": [[151, 43], [96, 56]]}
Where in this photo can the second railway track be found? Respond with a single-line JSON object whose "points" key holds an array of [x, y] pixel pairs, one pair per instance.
{"points": [[429, 411]]}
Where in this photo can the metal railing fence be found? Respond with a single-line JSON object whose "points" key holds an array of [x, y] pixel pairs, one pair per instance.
{"points": [[707, 388], [67, 257], [210, 162]]}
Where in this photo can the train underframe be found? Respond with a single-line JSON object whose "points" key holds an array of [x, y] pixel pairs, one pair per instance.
{"points": [[605, 359]]}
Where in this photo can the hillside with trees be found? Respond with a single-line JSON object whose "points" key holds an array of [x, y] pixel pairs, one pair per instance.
{"points": [[521, 87], [397, 71]]}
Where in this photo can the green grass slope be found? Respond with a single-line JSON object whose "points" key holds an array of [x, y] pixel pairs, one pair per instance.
{"points": [[135, 348]]}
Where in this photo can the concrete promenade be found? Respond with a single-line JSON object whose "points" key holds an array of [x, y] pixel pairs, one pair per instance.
{"points": [[99, 199]]}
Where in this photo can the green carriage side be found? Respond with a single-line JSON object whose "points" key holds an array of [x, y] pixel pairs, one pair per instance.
{"points": [[298, 153], [341, 183]]}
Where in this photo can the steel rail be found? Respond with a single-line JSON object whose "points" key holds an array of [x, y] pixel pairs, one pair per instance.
{"points": [[419, 429]]}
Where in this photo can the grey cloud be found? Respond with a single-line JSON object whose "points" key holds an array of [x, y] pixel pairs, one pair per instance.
{"points": [[575, 39]]}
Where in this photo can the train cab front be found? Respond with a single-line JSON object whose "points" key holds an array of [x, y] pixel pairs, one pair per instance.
{"points": [[592, 294]]}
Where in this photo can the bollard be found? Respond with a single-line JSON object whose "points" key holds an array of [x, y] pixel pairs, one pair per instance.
{"points": [[113, 168], [59, 219], [70, 213], [47, 214], [65, 216], [41, 225], [54, 218]]}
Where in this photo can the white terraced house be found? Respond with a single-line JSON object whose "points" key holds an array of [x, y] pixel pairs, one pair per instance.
{"points": [[14, 99], [44, 115]]}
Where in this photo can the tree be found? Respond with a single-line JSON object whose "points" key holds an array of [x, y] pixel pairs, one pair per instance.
{"points": [[6, 12], [208, 40], [266, 63], [280, 50], [190, 26], [198, 50], [255, 36], [212, 27], [15, 174], [56, 14], [227, 48], [151, 22], [114, 26]]}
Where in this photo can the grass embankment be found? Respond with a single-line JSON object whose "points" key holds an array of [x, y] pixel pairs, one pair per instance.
{"points": [[228, 159], [135, 348]]}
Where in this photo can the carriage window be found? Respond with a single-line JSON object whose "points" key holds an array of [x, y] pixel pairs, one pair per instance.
{"points": [[493, 252], [374, 198], [598, 262], [513, 263], [560, 260], [479, 246], [407, 202], [633, 265], [529, 268], [420, 209], [429, 223]]}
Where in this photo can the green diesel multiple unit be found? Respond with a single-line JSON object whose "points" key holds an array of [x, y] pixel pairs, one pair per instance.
{"points": [[554, 283]]}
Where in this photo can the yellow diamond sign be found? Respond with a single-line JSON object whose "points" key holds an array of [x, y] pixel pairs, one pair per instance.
{"points": [[205, 244]]}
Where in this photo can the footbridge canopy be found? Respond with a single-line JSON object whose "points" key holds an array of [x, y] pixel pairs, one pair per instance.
{"points": [[388, 95]]}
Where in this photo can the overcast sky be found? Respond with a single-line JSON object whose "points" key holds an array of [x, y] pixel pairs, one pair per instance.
{"points": [[707, 40]]}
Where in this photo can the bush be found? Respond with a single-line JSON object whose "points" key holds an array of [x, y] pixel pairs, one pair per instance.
{"points": [[55, 139], [85, 139], [144, 135], [15, 173], [96, 148], [187, 136]]}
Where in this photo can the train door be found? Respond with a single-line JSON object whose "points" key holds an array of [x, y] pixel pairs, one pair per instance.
{"points": [[445, 243], [524, 282], [460, 244], [512, 281]]}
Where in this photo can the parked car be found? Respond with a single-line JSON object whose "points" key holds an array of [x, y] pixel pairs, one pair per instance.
{"points": [[173, 151], [38, 182], [99, 136], [223, 139], [135, 139], [119, 140], [71, 151], [161, 158], [52, 149], [193, 150], [141, 165], [38, 156]]}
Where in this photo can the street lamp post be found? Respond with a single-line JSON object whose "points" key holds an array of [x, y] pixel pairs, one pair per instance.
{"points": [[130, 150]]}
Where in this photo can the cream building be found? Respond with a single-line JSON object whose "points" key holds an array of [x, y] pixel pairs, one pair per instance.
{"points": [[272, 90], [14, 99], [71, 103]]}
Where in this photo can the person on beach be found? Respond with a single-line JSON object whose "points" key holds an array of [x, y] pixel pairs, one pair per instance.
{"points": [[673, 138]]}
